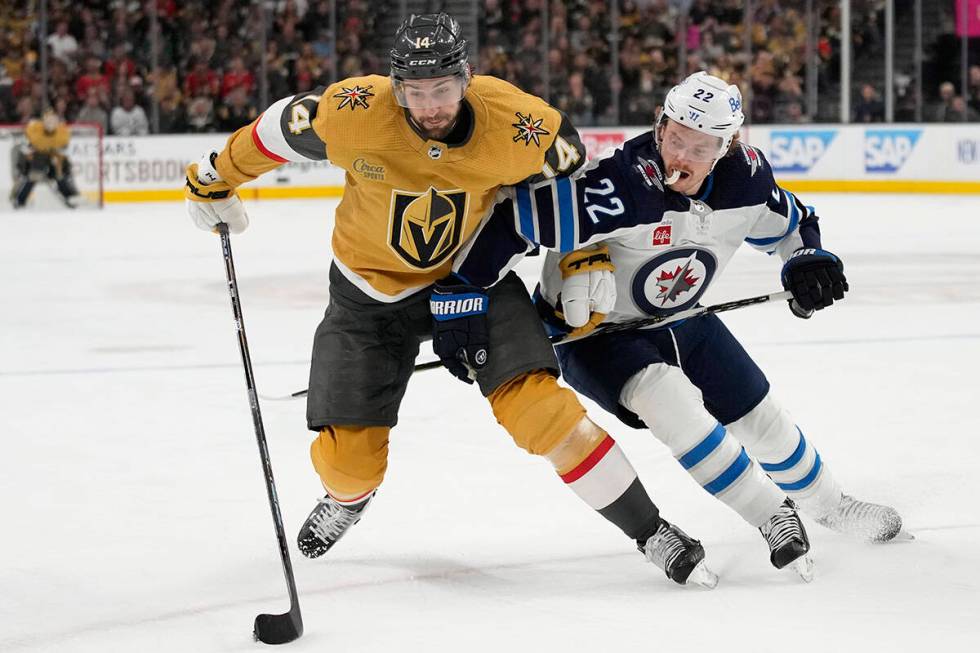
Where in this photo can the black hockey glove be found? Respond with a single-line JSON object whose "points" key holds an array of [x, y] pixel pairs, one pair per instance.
{"points": [[459, 326], [816, 278]]}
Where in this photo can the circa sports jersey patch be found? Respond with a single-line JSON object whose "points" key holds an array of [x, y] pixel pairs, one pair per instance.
{"points": [[673, 280], [354, 97], [529, 129], [426, 228]]}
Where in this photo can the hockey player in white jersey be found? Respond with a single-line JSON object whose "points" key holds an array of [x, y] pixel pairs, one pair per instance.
{"points": [[667, 211]]}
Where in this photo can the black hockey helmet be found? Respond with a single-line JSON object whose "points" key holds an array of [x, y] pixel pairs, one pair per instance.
{"points": [[429, 46]]}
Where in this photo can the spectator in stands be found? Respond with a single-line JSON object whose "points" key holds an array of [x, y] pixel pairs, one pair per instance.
{"points": [[171, 113], [201, 81], [25, 110], [973, 89], [129, 119], [237, 77], [577, 102], [277, 67], [638, 104], [225, 48], [959, 111], [794, 114], [946, 93], [6, 96], [120, 66], [236, 111], [200, 115], [93, 78], [869, 107], [93, 111], [63, 45]]}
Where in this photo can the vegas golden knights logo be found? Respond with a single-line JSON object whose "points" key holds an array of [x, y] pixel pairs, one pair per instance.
{"points": [[426, 227]]}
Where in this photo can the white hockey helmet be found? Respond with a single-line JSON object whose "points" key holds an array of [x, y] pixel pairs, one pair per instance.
{"points": [[706, 104]]}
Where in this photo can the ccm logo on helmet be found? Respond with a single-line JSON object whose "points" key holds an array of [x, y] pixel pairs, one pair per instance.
{"points": [[423, 62]]}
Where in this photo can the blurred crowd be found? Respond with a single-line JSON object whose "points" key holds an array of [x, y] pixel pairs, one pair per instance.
{"points": [[208, 57]]}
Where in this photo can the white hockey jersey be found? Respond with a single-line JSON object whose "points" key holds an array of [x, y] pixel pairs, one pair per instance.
{"points": [[667, 247]]}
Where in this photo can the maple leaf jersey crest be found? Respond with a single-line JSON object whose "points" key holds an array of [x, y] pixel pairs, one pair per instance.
{"points": [[529, 129], [354, 97]]}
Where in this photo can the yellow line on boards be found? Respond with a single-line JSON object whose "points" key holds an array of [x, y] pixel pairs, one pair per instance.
{"points": [[794, 185], [880, 186]]}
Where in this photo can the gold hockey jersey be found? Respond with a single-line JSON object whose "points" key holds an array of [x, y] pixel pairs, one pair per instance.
{"points": [[409, 203], [47, 142]]}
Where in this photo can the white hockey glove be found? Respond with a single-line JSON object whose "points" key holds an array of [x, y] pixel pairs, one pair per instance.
{"points": [[211, 201], [588, 290]]}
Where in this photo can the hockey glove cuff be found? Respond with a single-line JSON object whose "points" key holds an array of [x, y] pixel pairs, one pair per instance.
{"points": [[210, 200], [460, 337], [816, 278], [588, 289]]}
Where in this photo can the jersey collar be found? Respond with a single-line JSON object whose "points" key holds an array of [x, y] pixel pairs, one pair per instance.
{"points": [[448, 153]]}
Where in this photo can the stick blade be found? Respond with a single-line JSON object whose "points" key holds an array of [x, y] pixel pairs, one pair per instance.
{"points": [[278, 628]]}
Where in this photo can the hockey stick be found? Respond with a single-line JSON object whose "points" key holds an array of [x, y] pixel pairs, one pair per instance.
{"points": [[697, 311], [269, 628]]}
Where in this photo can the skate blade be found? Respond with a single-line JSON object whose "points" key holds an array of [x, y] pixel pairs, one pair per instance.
{"points": [[903, 536], [703, 577], [803, 567]]}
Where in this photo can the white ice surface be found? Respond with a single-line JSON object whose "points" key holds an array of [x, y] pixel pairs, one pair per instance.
{"points": [[134, 515]]}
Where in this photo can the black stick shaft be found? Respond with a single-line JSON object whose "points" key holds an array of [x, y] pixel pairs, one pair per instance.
{"points": [[253, 400], [641, 323], [697, 311]]}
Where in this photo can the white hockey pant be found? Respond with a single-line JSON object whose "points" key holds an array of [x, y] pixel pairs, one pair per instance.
{"points": [[771, 436], [672, 406]]}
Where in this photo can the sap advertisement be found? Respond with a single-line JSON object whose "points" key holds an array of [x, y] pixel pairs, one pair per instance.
{"points": [[860, 152]]}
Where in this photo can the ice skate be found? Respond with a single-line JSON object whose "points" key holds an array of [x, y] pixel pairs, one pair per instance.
{"points": [[327, 523], [868, 521], [787, 540], [681, 557]]}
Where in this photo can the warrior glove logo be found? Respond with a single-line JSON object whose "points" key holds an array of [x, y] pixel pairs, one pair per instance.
{"points": [[426, 228]]}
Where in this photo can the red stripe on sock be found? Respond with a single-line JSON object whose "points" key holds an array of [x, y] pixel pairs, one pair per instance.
{"points": [[590, 461], [262, 148], [348, 502]]}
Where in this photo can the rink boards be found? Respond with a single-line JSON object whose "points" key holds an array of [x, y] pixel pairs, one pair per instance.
{"points": [[831, 158]]}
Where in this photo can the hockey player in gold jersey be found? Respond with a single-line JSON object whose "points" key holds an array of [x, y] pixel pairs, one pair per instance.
{"points": [[425, 152], [43, 157]]}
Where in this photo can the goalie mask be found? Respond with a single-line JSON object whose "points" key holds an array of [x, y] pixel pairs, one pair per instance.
{"points": [[707, 105], [429, 66]]}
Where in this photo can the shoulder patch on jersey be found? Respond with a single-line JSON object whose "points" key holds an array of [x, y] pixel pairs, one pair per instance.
{"points": [[529, 129], [752, 158], [354, 97], [653, 177]]}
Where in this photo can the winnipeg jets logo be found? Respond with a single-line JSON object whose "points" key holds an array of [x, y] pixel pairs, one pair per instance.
{"points": [[673, 280], [650, 172], [354, 97], [672, 284], [529, 129], [751, 158]]}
